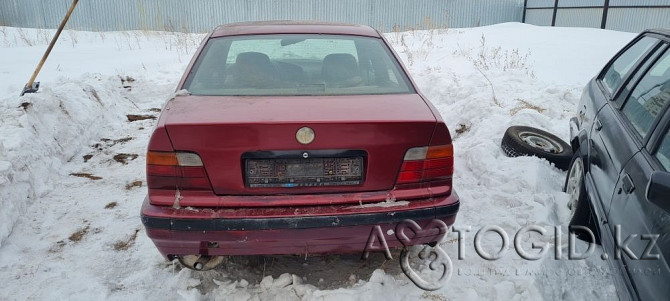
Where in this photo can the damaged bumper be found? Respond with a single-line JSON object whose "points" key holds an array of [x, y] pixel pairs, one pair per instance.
{"points": [[288, 230]]}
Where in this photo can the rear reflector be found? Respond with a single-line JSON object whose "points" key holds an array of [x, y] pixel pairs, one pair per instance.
{"points": [[417, 153], [172, 171], [427, 164], [188, 159]]}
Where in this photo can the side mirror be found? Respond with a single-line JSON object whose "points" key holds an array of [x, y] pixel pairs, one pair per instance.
{"points": [[658, 189]]}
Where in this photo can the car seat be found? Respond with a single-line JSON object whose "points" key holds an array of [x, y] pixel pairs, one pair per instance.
{"points": [[341, 70], [252, 70]]}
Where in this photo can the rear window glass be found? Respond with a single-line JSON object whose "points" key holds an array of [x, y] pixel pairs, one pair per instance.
{"points": [[296, 65]]}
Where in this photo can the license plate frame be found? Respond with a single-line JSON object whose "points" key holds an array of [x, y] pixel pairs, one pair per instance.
{"points": [[304, 169]]}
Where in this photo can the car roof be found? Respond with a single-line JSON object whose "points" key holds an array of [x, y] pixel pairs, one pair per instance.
{"points": [[661, 31], [293, 27]]}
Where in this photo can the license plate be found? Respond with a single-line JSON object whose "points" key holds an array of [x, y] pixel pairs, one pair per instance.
{"points": [[312, 172]]}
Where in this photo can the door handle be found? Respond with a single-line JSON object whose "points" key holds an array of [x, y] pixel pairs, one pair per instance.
{"points": [[627, 184], [598, 124]]}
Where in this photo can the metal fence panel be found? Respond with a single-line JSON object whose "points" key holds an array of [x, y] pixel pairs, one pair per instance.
{"points": [[540, 3], [579, 17], [638, 19], [202, 15], [639, 2], [540, 17], [631, 15], [580, 3]]}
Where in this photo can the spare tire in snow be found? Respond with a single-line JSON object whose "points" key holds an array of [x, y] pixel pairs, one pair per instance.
{"points": [[528, 141]]}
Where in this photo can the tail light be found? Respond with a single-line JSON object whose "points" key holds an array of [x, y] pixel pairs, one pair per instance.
{"points": [[176, 171], [427, 164]]}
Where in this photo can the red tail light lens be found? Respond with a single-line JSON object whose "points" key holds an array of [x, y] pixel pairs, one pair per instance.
{"points": [[172, 171], [427, 164]]}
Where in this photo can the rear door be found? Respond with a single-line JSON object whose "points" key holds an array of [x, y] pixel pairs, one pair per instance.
{"points": [[609, 146], [632, 218]]}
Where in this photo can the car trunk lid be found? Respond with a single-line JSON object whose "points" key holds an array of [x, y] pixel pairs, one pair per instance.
{"points": [[228, 132]]}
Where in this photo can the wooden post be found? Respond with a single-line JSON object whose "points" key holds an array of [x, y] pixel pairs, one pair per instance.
{"points": [[606, 7], [553, 17], [31, 87], [525, 5]]}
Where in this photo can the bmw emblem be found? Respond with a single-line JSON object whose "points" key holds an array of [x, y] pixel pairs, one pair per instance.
{"points": [[305, 135]]}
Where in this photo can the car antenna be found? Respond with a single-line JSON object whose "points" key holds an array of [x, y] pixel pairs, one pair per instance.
{"points": [[32, 86]]}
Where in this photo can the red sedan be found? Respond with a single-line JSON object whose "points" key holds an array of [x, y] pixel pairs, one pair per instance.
{"points": [[294, 138]]}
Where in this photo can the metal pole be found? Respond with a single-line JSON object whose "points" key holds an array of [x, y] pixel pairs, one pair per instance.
{"points": [[31, 86], [606, 7], [553, 17], [523, 17]]}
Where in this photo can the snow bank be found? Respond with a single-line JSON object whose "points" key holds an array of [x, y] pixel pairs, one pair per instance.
{"points": [[483, 80], [39, 133]]}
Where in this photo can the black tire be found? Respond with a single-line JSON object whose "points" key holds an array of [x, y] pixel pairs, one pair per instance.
{"points": [[515, 143], [582, 215]]}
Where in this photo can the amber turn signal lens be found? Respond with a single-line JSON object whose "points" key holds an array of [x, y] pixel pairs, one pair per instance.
{"points": [[162, 158], [442, 151]]}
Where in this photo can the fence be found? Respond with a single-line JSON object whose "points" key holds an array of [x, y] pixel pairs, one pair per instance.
{"points": [[202, 15], [622, 15], [386, 15]]}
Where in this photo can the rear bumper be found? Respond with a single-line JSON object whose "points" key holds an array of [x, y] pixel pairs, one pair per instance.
{"points": [[296, 230]]}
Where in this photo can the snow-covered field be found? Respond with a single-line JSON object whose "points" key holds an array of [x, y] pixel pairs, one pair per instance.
{"points": [[72, 169]]}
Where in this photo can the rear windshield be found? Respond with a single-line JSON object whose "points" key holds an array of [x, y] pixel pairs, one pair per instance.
{"points": [[296, 65]]}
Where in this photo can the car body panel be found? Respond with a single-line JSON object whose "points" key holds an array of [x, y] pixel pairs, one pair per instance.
{"points": [[616, 159], [289, 27], [232, 218], [291, 109], [609, 149], [209, 199], [221, 129], [638, 216], [288, 230]]}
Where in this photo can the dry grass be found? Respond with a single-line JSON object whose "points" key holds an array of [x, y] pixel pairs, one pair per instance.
{"points": [[525, 105], [94, 94], [429, 296], [86, 175], [113, 142], [495, 58], [462, 128], [133, 117], [126, 81], [133, 184], [106, 143], [74, 37], [124, 158], [123, 245], [5, 36], [24, 37], [111, 205], [493, 90], [79, 234]]}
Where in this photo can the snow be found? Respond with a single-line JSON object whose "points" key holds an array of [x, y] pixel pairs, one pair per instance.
{"points": [[384, 204], [78, 238]]}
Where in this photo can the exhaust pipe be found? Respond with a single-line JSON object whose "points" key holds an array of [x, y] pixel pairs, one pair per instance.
{"points": [[200, 262]]}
